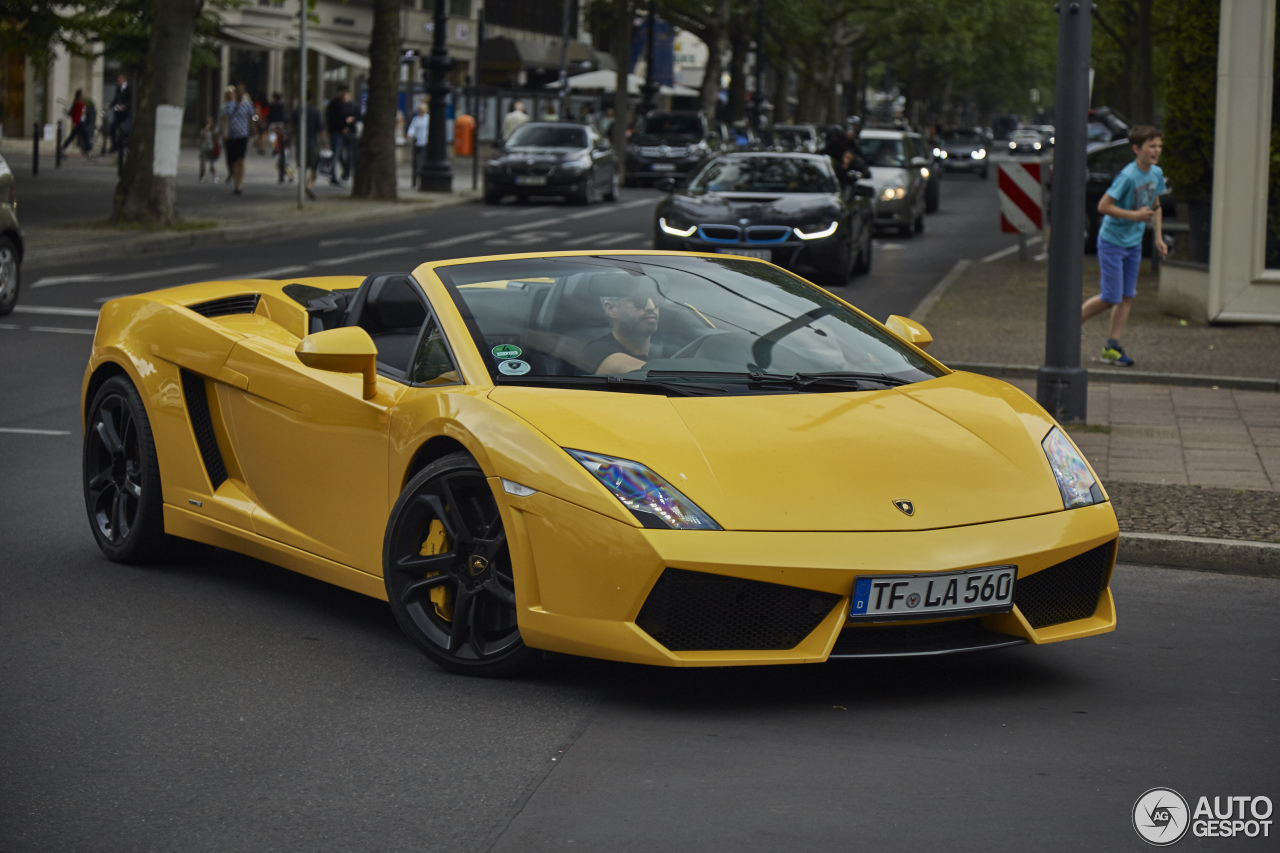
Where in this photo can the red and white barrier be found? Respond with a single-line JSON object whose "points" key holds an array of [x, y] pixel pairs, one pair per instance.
{"points": [[1021, 198]]}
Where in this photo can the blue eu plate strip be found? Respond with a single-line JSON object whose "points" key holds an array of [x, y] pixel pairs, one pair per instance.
{"points": [[861, 595]]}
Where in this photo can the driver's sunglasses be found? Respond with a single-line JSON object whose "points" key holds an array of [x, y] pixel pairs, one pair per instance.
{"points": [[639, 302]]}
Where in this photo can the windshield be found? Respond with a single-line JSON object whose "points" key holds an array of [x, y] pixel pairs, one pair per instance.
{"points": [[1098, 133], [765, 175], [962, 137], [621, 323], [671, 125], [883, 152], [542, 136]]}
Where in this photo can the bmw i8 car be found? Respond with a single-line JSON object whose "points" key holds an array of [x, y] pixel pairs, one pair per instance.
{"points": [[661, 458]]}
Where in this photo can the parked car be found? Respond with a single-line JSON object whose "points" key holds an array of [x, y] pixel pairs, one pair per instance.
{"points": [[900, 178], [1027, 140], [11, 241], [791, 209], [670, 145], [550, 158], [933, 172], [964, 151]]}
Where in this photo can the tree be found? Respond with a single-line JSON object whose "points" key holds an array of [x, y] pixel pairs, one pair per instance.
{"points": [[141, 194], [375, 175]]}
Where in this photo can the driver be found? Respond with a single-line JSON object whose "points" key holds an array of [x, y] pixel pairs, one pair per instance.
{"points": [[630, 304]]}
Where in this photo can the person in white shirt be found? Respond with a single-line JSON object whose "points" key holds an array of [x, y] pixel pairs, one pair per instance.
{"points": [[513, 119], [417, 131]]}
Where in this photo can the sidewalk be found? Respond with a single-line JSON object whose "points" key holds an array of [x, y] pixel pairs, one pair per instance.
{"points": [[1191, 452], [63, 210]]}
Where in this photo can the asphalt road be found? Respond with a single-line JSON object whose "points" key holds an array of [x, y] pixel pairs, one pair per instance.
{"points": [[218, 703]]}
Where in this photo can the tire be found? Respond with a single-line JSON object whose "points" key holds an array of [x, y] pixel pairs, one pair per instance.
{"points": [[919, 226], [863, 266], [585, 197], [121, 477], [611, 194], [932, 199], [10, 274], [983, 173], [492, 196], [469, 627]]}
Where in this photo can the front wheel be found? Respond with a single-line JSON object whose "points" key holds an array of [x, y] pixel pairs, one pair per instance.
{"points": [[611, 194], [10, 274], [863, 266], [448, 571]]}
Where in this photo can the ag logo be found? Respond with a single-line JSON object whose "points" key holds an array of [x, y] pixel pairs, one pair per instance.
{"points": [[1160, 817], [907, 507]]}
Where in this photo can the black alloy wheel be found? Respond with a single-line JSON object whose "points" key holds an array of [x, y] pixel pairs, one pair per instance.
{"points": [[122, 491], [863, 266], [611, 194], [448, 571], [10, 274]]}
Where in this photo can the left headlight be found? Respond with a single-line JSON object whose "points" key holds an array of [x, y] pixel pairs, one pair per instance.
{"points": [[893, 191], [651, 499], [578, 164], [818, 232], [978, 154], [675, 230], [1076, 484]]}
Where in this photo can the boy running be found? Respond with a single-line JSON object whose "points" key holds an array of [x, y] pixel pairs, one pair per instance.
{"points": [[1128, 205]]}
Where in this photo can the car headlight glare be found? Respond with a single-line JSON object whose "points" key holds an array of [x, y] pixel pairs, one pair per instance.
{"points": [[924, 173], [675, 231], [979, 154], [893, 192], [941, 154], [1076, 484], [1013, 146], [819, 233], [651, 499], [1035, 145], [937, 152]]}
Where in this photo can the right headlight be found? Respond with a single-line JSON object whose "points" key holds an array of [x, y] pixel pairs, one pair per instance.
{"points": [[893, 191], [675, 230], [1076, 484], [651, 499]]}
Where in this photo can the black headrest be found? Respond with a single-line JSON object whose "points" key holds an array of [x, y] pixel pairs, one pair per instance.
{"points": [[387, 301]]}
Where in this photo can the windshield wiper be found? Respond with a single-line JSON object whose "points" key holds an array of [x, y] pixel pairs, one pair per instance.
{"points": [[616, 383], [846, 379]]}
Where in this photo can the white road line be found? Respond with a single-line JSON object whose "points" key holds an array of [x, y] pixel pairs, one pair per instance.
{"points": [[361, 241], [607, 238], [50, 280], [641, 203], [20, 431], [362, 256], [1004, 253], [9, 326], [62, 331], [889, 247], [278, 271], [463, 238], [523, 211], [54, 310], [525, 226]]}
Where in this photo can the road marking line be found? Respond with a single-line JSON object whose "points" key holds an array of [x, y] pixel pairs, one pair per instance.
{"points": [[641, 203], [361, 241], [524, 211], [9, 326], [62, 331], [607, 238], [525, 226], [362, 256], [50, 280], [463, 238], [1004, 253], [20, 431], [51, 309], [278, 271]]}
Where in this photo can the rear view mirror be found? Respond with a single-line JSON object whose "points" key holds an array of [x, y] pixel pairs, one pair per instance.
{"points": [[909, 330], [345, 350]]}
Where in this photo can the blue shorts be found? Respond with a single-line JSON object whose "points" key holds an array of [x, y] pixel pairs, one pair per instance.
{"points": [[1119, 266]]}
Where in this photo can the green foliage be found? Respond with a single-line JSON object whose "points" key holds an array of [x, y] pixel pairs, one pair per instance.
{"points": [[1190, 111]]}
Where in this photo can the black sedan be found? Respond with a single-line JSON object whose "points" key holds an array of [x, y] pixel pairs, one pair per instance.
{"points": [[550, 159], [790, 209]]}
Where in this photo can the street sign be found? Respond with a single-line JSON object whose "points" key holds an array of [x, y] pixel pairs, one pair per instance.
{"points": [[1021, 198]]}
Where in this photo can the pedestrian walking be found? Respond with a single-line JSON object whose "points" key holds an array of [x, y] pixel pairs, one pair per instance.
{"points": [[314, 128], [121, 107], [237, 117], [209, 150], [513, 119], [277, 136], [1130, 204], [417, 131], [340, 122], [80, 126]]}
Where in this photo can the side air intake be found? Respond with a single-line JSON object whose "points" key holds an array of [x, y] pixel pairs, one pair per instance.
{"points": [[246, 303], [193, 389]]}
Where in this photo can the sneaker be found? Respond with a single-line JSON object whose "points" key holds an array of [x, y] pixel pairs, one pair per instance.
{"points": [[1114, 354]]}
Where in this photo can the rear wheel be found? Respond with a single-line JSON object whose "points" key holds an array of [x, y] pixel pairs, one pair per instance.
{"points": [[448, 571], [121, 475], [611, 194], [10, 274]]}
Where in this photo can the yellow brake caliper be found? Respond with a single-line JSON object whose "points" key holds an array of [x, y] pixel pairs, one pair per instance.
{"points": [[437, 542]]}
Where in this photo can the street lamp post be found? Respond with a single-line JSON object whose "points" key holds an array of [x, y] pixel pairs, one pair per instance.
{"points": [[650, 88], [757, 109], [1062, 385], [436, 174]]}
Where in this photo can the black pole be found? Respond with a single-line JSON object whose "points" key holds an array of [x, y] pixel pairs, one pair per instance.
{"points": [[35, 148], [564, 61], [758, 105], [437, 172], [1062, 385], [650, 87], [479, 98], [57, 147]]}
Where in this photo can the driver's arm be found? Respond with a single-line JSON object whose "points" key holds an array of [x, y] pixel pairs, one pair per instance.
{"points": [[620, 362]]}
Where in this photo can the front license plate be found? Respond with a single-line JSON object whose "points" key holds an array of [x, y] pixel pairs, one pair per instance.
{"points": [[664, 167], [886, 598], [531, 181], [762, 254]]}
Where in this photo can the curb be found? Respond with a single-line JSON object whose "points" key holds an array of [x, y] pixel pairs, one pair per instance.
{"points": [[921, 311], [1027, 371], [118, 245], [1227, 556]]}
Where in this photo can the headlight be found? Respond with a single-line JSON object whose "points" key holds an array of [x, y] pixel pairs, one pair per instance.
{"points": [[1036, 145], [651, 499], [1013, 145], [924, 173], [674, 231], [979, 154], [1052, 140], [941, 154], [893, 191], [1076, 484], [581, 164], [818, 234]]}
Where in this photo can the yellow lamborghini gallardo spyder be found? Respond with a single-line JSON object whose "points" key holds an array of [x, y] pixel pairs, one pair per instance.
{"points": [[656, 457]]}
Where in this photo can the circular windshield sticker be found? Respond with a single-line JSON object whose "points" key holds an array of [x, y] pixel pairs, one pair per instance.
{"points": [[513, 367], [506, 351]]}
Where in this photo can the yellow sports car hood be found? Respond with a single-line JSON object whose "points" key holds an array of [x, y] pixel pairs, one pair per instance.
{"points": [[961, 449]]}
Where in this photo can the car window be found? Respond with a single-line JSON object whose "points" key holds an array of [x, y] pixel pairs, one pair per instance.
{"points": [[1109, 161], [883, 152], [542, 136], [660, 124], [432, 364], [962, 137], [765, 174]]}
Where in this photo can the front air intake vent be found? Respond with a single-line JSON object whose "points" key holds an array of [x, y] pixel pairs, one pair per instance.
{"points": [[246, 303], [193, 389], [1065, 592]]}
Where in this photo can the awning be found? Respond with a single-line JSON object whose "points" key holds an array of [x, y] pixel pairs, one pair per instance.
{"points": [[290, 42], [338, 53], [607, 81], [258, 39]]}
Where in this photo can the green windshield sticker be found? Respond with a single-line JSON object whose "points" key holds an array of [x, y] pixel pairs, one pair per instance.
{"points": [[506, 351]]}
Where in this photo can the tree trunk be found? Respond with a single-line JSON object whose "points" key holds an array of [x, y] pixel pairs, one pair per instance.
{"points": [[781, 71], [717, 42], [621, 97], [141, 195], [375, 176], [737, 73]]}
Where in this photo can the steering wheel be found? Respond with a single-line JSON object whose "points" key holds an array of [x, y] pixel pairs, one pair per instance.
{"points": [[692, 348]]}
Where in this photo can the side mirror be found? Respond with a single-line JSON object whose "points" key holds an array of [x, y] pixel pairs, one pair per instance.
{"points": [[345, 350], [863, 191], [919, 161], [666, 185], [909, 330]]}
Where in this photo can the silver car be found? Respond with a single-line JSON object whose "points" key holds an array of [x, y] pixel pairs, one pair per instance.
{"points": [[10, 240], [900, 177]]}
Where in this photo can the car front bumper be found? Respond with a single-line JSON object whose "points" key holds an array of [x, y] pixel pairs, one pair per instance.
{"points": [[791, 253], [556, 184], [655, 169], [772, 598], [963, 163]]}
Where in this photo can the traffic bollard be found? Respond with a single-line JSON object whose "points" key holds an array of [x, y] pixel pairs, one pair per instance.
{"points": [[57, 147], [35, 148]]}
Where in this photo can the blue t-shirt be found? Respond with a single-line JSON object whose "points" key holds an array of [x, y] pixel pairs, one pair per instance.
{"points": [[1132, 189]]}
